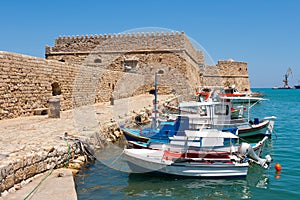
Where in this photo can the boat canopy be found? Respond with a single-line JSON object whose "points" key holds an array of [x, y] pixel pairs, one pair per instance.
{"points": [[209, 133], [197, 104], [244, 98]]}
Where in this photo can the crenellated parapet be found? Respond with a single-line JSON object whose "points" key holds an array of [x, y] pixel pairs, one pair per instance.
{"points": [[125, 42]]}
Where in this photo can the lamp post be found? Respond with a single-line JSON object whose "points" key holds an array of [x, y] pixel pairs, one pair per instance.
{"points": [[155, 101]]}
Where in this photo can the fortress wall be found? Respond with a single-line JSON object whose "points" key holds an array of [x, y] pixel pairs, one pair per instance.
{"points": [[74, 49], [235, 73], [178, 74], [26, 84], [90, 69], [227, 73], [194, 53], [118, 42], [27, 81]]}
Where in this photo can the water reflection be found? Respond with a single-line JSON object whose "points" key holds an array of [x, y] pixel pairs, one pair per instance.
{"points": [[141, 185], [99, 181], [257, 177]]}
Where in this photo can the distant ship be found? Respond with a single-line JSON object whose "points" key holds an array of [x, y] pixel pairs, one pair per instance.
{"points": [[286, 76]]}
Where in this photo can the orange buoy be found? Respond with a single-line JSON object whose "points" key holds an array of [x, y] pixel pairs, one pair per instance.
{"points": [[277, 167]]}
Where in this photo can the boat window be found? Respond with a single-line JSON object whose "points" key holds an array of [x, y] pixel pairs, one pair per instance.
{"points": [[221, 109], [194, 110]]}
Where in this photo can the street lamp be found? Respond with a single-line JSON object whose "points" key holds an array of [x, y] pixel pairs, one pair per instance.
{"points": [[155, 102]]}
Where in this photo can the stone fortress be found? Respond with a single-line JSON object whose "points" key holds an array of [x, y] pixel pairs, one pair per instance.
{"points": [[85, 70]]}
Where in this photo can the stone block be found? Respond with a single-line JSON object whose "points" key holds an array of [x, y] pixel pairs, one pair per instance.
{"points": [[19, 175], [18, 163], [8, 182], [30, 170]]}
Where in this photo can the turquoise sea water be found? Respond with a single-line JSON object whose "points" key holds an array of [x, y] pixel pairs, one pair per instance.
{"points": [[101, 182]]}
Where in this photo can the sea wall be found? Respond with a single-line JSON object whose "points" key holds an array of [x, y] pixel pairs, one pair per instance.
{"points": [[19, 168], [71, 151]]}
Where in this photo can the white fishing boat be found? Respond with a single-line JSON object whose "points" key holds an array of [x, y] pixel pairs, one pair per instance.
{"points": [[187, 162], [219, 115]]}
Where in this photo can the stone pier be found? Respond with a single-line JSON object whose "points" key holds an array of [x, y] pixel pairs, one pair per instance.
{"points": [[37, 144]]}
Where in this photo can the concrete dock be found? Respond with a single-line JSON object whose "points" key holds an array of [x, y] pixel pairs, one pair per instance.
{"points": [[58, 184]]}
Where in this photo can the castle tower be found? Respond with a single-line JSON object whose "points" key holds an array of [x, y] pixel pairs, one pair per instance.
{"points": [[234, 73]]}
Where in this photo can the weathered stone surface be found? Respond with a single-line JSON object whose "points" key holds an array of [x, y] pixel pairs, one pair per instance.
{"points": [[30, 171], [83, 72], [8, 182], [19, 175]]}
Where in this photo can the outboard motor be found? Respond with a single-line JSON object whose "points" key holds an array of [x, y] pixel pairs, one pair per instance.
{"points": [[246, 150]]}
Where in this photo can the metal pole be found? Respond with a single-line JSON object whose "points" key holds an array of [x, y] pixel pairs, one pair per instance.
{"points": [[154, 125]]}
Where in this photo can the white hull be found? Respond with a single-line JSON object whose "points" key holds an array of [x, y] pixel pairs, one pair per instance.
{"points": [[146, 161], [244, 128]]}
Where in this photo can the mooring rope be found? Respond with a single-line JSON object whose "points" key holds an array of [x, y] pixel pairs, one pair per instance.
{"points": [[69, 153], [38, 185], [65, 165]]}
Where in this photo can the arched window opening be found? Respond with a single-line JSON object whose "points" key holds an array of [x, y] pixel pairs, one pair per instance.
{"points": [[55, 89], [97, 60]]}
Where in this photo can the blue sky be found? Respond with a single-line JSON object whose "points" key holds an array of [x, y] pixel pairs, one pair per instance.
{"points": [[265, 34]]}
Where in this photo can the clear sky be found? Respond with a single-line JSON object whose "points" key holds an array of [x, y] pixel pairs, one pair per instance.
{"points": [[263, 33]]}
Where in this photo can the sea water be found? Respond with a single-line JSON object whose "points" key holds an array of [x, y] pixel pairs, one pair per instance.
{"points": [[99, 181]]}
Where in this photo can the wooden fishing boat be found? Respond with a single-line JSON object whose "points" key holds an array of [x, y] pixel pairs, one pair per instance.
{"points": [[195, 162]]}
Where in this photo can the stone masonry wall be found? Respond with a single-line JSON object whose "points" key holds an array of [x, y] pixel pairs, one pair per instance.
{"points": [[26, 84], [150, 52], [18, 169], [91, 69], [235, 73], [74, 49], [227, 73]]}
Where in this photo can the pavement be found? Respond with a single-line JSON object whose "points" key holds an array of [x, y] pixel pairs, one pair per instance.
{"points": [[51, 186]]}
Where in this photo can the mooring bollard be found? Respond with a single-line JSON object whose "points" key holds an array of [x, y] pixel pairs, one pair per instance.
{"points": [[54, 108]]}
